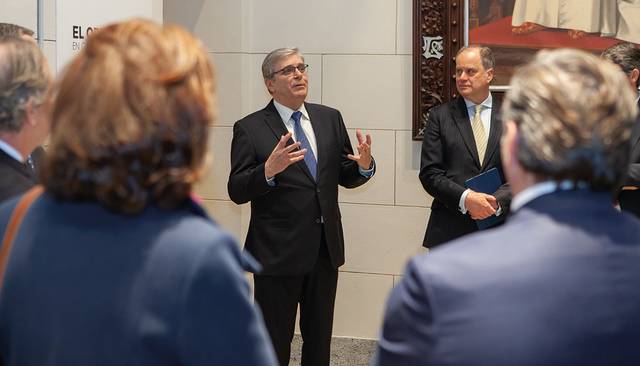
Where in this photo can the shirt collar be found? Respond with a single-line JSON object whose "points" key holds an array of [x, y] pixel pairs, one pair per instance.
{"points": [[487, 103], [11, 151], [286, 112], [540, 189]]}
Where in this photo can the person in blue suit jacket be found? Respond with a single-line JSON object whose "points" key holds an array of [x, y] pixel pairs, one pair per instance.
{"points": [[627, 57], [558, 283], [115, 264]]}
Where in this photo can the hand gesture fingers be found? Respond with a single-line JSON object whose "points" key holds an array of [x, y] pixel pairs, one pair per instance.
{"points": [[282, 156], [296, 155], [364, 151]]}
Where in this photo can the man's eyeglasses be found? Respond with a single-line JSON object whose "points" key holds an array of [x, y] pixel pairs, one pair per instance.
{"points": [[289, 70]]}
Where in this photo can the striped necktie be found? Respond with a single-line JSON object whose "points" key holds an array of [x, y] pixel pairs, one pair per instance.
{"points": [[479, 133]]}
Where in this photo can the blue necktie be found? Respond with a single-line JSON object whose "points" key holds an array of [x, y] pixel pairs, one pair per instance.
{"points": [[309, 157]]}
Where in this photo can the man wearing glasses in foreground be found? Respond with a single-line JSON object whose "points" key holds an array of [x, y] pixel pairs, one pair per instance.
{"points": [[288, 160]]}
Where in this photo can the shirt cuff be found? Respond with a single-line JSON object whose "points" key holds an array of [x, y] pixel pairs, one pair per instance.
{"points": [[463, 197], [368, 173], [271, 181]]}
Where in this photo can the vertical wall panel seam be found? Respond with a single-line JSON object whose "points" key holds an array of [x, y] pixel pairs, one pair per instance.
{"points": [[396, 38], [395, 168]]}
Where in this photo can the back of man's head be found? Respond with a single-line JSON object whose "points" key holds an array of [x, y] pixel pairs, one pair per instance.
{"points": [[573, 113], [24, 78], [9, 30], [627, 56]]}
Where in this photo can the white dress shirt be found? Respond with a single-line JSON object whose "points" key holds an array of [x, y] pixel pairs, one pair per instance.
{"points": [[485, 117], [285, 114], [540, 189], [11, 151]]}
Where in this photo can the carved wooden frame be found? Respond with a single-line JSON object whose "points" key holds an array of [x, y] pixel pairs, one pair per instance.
{"points": [[438, 33]]}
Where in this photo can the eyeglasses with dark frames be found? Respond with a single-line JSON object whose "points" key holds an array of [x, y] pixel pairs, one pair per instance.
{"points": [[289, 70]]}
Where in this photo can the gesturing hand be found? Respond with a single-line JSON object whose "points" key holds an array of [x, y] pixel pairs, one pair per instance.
{"points": [[364, 151], [480, 205], [282, 156]]}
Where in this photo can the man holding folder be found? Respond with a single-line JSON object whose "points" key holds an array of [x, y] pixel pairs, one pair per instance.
{"points": [[461, 142]]}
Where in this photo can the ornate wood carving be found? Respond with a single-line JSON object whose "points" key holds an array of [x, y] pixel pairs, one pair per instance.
{"points": [[437, 35]]}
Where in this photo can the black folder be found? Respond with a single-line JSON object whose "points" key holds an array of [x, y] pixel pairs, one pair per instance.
{"points": [[487, 182]]}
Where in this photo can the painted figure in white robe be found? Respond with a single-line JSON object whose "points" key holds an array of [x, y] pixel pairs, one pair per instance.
{"points": [[608, 18]]}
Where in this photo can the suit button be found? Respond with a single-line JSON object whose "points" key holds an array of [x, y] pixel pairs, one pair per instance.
{"points": [[318, 221], [318, 190]]}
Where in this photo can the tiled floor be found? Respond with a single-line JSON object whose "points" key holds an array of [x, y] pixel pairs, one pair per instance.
{"points": [[344, 351]]}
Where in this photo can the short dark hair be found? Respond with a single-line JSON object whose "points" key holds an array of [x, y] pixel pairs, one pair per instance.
{"points": [[135, 133], [626, 55], [13, 30]]}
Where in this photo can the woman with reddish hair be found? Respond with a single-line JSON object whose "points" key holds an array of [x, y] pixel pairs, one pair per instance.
{"points": [[115, 264]]}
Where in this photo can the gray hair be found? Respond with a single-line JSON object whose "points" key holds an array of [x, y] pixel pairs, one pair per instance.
{"points": [[574, 113], [626, 55], [8, 30], [270, 61], [24, 77], [488, 61]]}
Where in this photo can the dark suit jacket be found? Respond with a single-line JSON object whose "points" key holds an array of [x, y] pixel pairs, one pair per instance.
{"points": [[286, 226], [630, 199], [86, 286], [449, 158], [634, 168], [15, 177], [557, 284]]}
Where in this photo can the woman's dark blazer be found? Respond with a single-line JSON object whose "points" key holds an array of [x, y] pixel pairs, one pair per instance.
{"points": [[85, 286]]}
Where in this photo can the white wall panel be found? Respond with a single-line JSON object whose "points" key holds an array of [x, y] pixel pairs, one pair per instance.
{"points": [[49, 50], [371, 91], [21, 12], [409, 190], [49, 26], [232, 71], [214, 183], [380, 189], [380, 239], [327, 26], [405, 27], [221, 24]]}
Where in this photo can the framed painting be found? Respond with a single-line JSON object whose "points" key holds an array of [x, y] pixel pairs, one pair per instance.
{"points": [[515, 30]]}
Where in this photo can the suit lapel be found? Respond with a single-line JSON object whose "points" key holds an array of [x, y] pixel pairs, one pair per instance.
{"points": [[16, 165], [274, 121], [461, 119], [494, 132], [635, 139]]}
